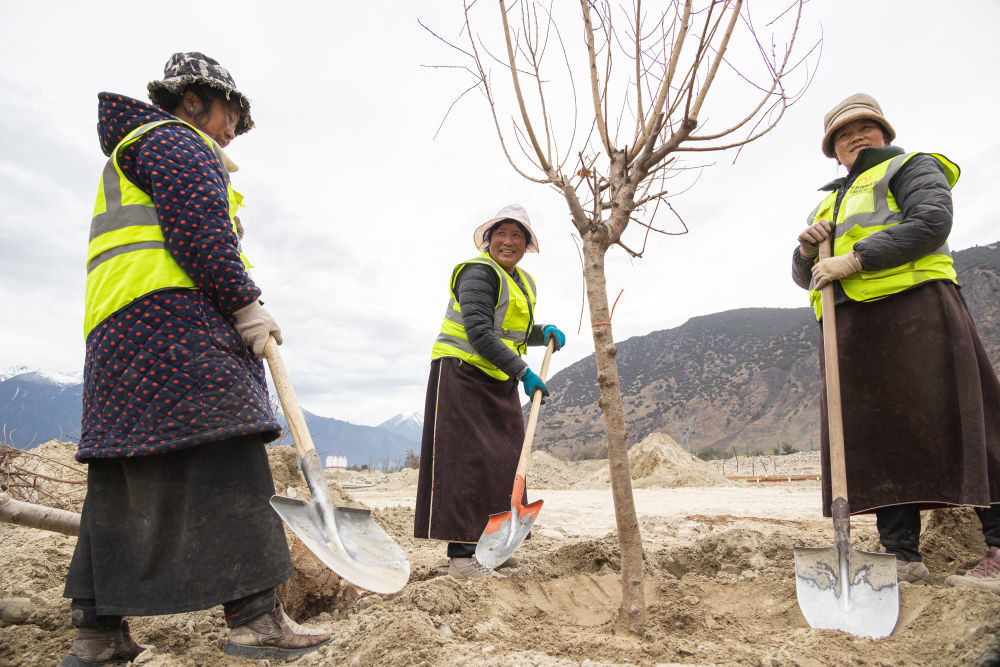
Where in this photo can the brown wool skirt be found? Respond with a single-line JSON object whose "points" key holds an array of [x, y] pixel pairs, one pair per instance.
{"points": [[177, 532], [921, 403], [473, 432]]}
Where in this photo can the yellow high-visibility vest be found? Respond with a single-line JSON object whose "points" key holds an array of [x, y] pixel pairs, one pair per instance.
{"points": [[512, 318], [126, 255], [869, 207]]}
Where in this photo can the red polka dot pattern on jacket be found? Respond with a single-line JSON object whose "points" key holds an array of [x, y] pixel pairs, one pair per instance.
{"points": [[169, 371]]}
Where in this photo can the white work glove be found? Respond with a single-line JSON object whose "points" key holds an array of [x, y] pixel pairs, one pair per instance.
{"points": [[827, 270], [255, 325], [812, 236]]}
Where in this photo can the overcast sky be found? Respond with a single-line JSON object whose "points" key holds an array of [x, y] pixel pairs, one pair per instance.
{"points": [[356, 213]]}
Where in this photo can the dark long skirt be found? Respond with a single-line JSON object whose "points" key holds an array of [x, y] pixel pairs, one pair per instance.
{"points": [[177, 532], [473, 433], [921, 403]]}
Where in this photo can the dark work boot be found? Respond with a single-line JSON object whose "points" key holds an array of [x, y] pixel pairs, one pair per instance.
{"points": [[273, 635], [93, 646]]}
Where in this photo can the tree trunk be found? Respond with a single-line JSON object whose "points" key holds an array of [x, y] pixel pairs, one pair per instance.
{"points": [[633, 598]]}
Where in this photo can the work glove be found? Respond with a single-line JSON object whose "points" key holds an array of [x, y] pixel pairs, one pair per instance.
{"points": [[827, 270], [812, 236], [552, 331], [532, 382], [255, 325]]}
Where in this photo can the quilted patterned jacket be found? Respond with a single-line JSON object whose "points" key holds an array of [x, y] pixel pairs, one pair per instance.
{"points": [[169, 371]]}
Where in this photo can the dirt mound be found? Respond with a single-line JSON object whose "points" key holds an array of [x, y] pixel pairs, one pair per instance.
{"points": [[547, 472], [952, 539], [289, 482], [406, 476], [45, 475], [720, 589], [658, 461]]}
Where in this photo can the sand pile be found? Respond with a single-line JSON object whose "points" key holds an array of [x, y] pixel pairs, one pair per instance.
{"points": [[658, 461], [547, 472]]}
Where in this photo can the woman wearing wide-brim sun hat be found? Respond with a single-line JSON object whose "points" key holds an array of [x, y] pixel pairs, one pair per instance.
{"points": [[176, 412], [473, 424], [921, 401]]}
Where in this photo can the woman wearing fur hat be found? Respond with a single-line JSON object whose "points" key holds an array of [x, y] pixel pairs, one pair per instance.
{"points": [[921, 402], [176, 412], [473, 424]]}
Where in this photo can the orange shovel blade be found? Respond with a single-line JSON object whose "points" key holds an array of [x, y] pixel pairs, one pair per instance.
{"points": [[506, 531]]}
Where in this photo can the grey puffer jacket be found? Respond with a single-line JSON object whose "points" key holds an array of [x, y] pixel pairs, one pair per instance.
{"points": [[477, 288], [924, 198]]}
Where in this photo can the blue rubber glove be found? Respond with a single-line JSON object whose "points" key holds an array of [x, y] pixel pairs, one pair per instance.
{"points": [[532, 383], [551, 330]]}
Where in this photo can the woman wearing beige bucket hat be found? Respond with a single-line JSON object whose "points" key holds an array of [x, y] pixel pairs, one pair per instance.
{"points": [[176, 413], [473, 424], [921, 401]]}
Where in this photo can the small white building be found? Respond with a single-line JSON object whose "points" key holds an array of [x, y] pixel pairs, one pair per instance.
{"points": [[334, 462]]}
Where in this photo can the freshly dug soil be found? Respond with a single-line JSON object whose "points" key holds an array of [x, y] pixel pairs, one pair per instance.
{"points": [[720, 590]]}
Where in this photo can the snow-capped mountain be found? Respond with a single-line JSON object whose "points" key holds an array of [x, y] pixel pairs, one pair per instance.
{"points": [[410, 426], [37, 405], [64, 379]]}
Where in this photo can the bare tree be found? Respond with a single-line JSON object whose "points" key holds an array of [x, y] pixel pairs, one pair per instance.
{"points": [[683, 429], [648, 75]]}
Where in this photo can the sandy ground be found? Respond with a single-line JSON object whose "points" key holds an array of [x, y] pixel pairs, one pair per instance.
{"points": [[719, 581]]}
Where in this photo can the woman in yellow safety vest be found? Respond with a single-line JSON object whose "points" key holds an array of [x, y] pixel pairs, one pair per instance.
{"points": [[473, 424], [921, 402], [176, 411]]}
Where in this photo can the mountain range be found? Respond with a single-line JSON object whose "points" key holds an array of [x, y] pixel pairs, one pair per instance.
{"points": [[743, 380], [37, 405]]}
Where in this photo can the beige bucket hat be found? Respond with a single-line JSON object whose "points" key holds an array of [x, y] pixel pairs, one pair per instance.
{"points": [[513, 212], [855, 107]]}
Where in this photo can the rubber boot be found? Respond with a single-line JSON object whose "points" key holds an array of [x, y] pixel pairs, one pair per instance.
{"points": [[273, 636], [93, 646]]}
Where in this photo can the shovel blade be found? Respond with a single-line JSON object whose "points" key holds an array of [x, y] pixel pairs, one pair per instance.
{"points": [[505, 532], [348, 541], [848, 590]]}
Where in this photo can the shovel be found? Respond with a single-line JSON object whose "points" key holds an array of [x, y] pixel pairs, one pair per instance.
{"points": [[347, 540], [506, 531], [838, 587]]}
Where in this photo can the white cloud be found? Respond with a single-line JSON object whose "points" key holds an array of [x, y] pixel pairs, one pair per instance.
{"points": [[356, 215]]}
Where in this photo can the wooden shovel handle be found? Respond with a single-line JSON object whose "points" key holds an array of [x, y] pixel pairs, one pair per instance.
{"points": [[289, 403], [834, 411], [536, 402]]}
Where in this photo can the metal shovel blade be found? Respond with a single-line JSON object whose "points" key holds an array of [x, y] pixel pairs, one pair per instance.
{"points": [[348, 541], [841, 588], [505, 531]]}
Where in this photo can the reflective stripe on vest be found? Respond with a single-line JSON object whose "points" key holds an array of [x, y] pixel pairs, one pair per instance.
{"points": [[126, 255], [869, 207], [512, 318]]}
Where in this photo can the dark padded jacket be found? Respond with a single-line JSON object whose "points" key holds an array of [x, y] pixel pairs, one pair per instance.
{"points": [[169, 370], [477, 288], [924, 198]]}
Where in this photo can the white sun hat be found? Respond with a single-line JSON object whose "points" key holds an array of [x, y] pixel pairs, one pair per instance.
{"points": [[513, 212]]}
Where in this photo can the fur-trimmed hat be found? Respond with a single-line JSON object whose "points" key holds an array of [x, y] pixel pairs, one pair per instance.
{"points": [[186, 69], [855, 107], [513, 212]]}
